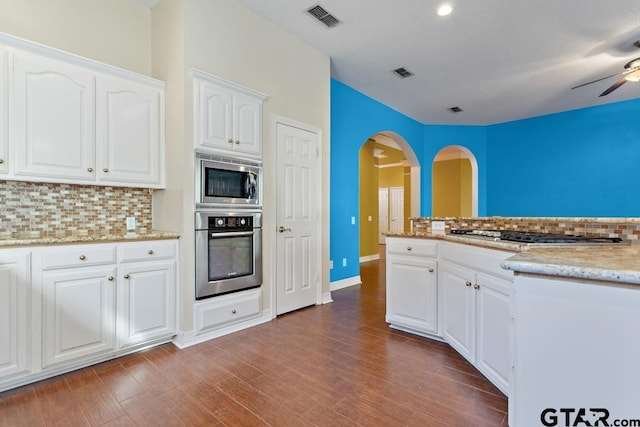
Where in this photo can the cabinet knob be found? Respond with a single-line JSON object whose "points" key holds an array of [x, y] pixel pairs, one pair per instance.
{"points": [[126, 276], [110, 278], [82, 257], [105, 170], [237, 141], [409, 248], [476, 286], [230, 141], [430, 269], [233, 311], [89, 169], [150, 251], [467, 284], [1, 161]]}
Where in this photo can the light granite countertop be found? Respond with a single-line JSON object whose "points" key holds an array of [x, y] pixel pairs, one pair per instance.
{"points": [[128, 237], [605, 262]]}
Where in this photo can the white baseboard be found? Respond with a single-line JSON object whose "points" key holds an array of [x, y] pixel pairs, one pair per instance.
{"points": [[326, 298], [345, 283], [184, 340], [368, 258]]}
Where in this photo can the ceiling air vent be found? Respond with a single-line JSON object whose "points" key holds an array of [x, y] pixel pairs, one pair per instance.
{"points": [[403, 72], [455, 109], [321, 14]]}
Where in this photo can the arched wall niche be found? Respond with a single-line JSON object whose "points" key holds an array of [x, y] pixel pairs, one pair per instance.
{"points": [[453, 153]]}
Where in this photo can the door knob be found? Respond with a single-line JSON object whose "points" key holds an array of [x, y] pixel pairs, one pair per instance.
{"points": [[281, 229]]}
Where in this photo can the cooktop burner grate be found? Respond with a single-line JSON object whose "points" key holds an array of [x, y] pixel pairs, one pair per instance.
{"points": [[534, 237]]}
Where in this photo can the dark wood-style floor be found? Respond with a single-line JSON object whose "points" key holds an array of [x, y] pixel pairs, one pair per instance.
{"points": [[333, 365]]}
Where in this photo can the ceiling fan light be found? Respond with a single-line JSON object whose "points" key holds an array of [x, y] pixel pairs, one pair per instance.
{"points": [[633, 77]]}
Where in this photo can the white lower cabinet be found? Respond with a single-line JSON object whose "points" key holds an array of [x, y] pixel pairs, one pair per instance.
{"points": [[78, 313], [412, 285], [226, 310], [146, 302], [476, 308], [64, 307], [15, 290]]}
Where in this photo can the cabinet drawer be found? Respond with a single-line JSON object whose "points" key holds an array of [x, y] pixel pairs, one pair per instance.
{"points": [[227, 309], [415, 247], [78, 256], [146, 251]]}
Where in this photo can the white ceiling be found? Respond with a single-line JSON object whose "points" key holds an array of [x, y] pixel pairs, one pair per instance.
{"points": [[498, 60]]}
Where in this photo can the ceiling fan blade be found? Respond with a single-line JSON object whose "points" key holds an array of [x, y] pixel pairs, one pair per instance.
{"points": [[603, 78], [615, 86]]}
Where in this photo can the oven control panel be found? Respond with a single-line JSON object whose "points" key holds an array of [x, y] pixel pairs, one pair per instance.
{"points": [[230, 223]]}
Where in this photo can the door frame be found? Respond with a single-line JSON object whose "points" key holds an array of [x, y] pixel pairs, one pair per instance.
{"points": [[269, 228]]}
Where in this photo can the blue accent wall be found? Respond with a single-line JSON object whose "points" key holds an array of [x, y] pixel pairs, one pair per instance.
{"points": [[582, 163], [579, 163], [355, 118]]}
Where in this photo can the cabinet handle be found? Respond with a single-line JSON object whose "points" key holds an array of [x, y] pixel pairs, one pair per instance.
{"points": [[126, 276], [230, 141], [150, 251], [237, 141], [89, 169], [467, 284], [476, 286], [110, 278], [430, 269], [1, 161], [82, 257], [409, 248], [233, 311], [105, 170]]}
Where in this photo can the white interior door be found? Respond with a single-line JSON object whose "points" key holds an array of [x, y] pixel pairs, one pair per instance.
{"points": [[298, 218], [383, 213], [397, 209]]}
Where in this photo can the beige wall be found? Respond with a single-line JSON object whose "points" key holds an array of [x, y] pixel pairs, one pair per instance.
{"points": [[369, 230], [452, 188], [116, 32], [224, 38]]}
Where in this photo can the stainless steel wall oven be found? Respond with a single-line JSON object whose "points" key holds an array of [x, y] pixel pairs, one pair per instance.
{"points": [[228, 252], [231, 183]]}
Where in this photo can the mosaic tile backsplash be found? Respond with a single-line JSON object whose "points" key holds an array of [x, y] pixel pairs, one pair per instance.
{"points": [[625, 228], [40, 210]]}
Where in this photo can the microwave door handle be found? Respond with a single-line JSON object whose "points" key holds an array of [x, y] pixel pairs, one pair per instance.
{"points": [[251, 185]]}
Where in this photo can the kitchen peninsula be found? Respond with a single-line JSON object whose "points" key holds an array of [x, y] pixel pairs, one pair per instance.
{"points": [[562, 326]]}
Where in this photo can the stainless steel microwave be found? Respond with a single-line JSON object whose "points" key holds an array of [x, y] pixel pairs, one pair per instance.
{"points": [[224, 182]]}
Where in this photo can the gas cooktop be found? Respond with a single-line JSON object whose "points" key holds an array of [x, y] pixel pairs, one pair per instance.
{"points": [[534, 237]]}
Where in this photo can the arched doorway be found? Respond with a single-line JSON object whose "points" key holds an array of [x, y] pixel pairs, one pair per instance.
{"points": [[389, 190], [454, 183]]}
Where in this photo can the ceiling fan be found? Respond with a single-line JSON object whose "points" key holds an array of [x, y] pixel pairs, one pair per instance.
{"points": [[631, 73]]}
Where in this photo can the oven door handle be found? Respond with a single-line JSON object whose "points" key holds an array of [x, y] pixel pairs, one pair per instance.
{"points": [[231, 234]]}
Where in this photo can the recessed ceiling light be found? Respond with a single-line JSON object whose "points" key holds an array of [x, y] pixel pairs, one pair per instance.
{"points": [[444, 10]]}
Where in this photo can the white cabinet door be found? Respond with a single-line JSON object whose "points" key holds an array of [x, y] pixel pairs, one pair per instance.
{"points": [[247, 125], [4, 113], [493, 322], [459, 307], [53, 119], [15, 286], [146, 302], [214, 111], [129, 139], [412, 293], [78, 308]]}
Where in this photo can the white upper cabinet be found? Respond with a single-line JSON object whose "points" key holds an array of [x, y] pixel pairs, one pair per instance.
{"points": [[53, 118], [228, 117], [129, 141], [4, 110], [74, 120]]}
